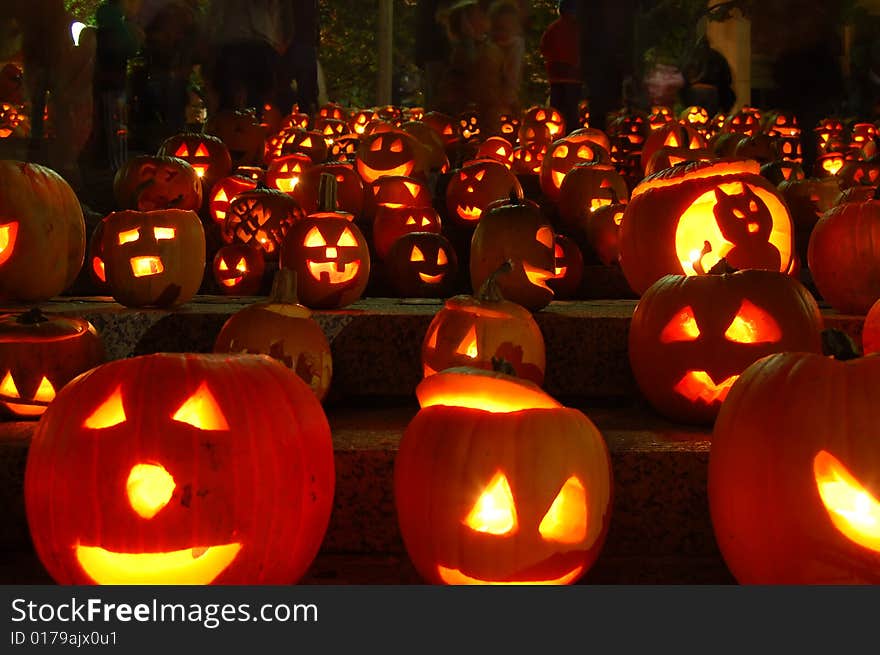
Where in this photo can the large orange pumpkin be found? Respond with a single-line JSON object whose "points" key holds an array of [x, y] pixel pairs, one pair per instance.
{"points": [[151, 470], [146, 183], [794, 472], [496, 482]]}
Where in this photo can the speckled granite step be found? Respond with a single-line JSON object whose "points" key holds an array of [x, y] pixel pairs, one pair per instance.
{"points": [[376, 342], [660, 530]]}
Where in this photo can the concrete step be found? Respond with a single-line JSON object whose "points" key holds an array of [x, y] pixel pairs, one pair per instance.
{"points": [[660, 531], [376, 342]]}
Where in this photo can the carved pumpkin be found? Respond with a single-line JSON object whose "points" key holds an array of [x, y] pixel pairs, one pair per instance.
{"points": [[344, 148], [482, 329], [601, 231], [475, 186], [530, 507], [442, 125], [595, 135], [422, 265], [261, 217], [349, 189], [39, 355], [150, 470], [568, 272], [828, 132], [534, 133], [527, 158], [678, 138], [685, 219], [547, 116], [391, 223], [745, 121], [42, 233], [790, 148], [329, 254], [306, 142], [515, 230], [242, 134], [432, 153], [94, 261], [782, 123], [563, 155], [844, 256], [238, 269], [13, 120], [864, 172], [468, 126], [668, 157], [398, 191], [691, 337], [509, 127], [331, 129], [586, 188], [659, 116], [360, 119], [793, 472], [829, 163], [153, 258], [497, 148], [777, 172], [222, 193], [146, 182], [385, 153], [285, 172], [283, 329], [807, 200], [207, 154], [695, 116]]}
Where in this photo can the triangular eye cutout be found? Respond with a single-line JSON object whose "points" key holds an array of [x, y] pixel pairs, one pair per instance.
{"points": [[307, 142], [8, 388], [109, 413], [241, 266], [223, 265], [413, 188], [753, 325], [221, 196], [314, 239], [182, 151], [681, 327], [426, 221], [411, 220], [442, 259], [494, 512], [201, 151], [201, 411], [346, 239], [468, 346], [416, 255], [376, 145], [479, 175], [284, 168], [396, 146], [45, 392], [566, 520]]}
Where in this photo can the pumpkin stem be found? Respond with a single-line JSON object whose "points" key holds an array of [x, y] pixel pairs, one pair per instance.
{"points": [[284, 287], [501, 365], [327, 193], [839, 345], [489, 291], [722, 267], [32, 316]]}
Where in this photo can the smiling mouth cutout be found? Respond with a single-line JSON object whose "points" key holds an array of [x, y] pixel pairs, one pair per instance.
{"points": [[456, 577], [232, 281], [200, 169], [190, 566], [537, 276], [334, 272], [431, 279], [146, 266], [468, 213], [699, 386]]}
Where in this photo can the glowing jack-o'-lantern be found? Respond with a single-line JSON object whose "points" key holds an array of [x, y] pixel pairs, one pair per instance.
{"points": [[207, 154], [222, 194], [563, 155], [475, 186], [149, 470], [331, 129], [334, 111], [844, 256], [527, 158], [431, 152], [442, 125], [509, 127], [329, 254], [422, 265], [12, 120], [396, 192], [829, 163], [261, 217], [584, 113], [238, 269], [659, 116], [391, 223], [305, 142], [547, 116], [478, 330], [515, 230], [146, 183], [39, 355], [42, 233], [793, 472], [242, 134], [864, 172], [691, 337], [828, 133], [746, 121], [601, 232], [349, 188], [695, 116], [685, 219], [531, 507], [676, 137], [153, 258], [568, 272], [783, 170], [359, 120], [586, 188], [344, 148], [498, 148], [386, 153], [284, 172], [283, 329], [468, 126]]}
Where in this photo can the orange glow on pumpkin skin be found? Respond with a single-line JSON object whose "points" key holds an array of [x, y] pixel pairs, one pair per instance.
{"points": [[852, 509], [8, 235], [497, 394]]}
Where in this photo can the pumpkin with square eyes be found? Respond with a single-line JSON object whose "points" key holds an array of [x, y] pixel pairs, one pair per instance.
{"points": [[476, 185], [479, 330], [148, 182], [568, 272], [548, 117], [391, 223], [586, 188], [349, 189], [794, 472], [691, 337], [515, 230], [238, 269], [284, 172], [39, 355], [328, 253], [386, 153], [207, 154], [241, 132], [42, 233], [684, 219], [564, 154], [149, 470], [283, 329], [261, 217], [223, 192], [305, 142], [153, 258], [422, 265], [530, 506]]}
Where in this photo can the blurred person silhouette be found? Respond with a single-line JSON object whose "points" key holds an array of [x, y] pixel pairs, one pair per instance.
{"points": [[560, 48], [506, 32], [299, 62]]}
